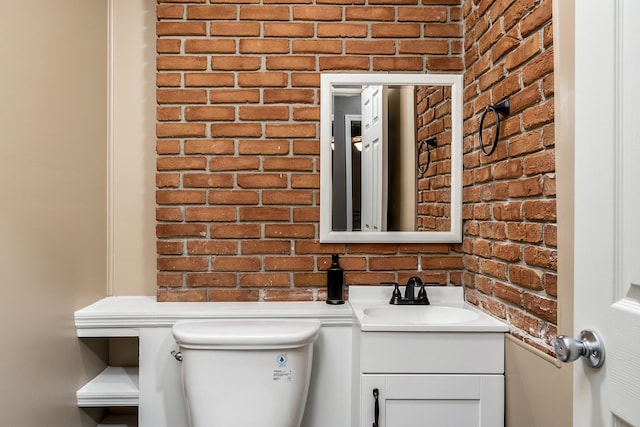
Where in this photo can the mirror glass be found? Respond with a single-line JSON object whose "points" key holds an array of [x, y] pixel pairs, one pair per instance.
{"points": [[390, 158]]}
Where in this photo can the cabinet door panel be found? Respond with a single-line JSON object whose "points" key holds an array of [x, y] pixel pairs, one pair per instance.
{"points": [[434, 400], [433, 386], [432, 413]]}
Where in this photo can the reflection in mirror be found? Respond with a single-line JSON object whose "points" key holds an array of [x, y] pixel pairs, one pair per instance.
{"points": [[385, 183], [434, 159]]}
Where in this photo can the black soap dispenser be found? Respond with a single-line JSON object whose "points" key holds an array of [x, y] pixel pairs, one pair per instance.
{"points": [[335, 282]]}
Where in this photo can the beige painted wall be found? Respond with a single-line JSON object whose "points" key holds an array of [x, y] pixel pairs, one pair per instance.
{"points": [[132, 163], [539, 389], [53, 203]]}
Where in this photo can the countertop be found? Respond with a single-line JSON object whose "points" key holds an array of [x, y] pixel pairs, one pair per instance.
{"points": [[124, 315]]}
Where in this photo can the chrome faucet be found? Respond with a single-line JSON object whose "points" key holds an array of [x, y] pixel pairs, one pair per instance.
{"points": [[409, 293]]}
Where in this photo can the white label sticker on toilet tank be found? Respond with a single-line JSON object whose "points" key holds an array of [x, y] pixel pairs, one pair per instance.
{"points": [[282, 375]]}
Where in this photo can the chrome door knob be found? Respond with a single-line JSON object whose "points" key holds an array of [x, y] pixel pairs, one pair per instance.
{"points": [[588, 346]]}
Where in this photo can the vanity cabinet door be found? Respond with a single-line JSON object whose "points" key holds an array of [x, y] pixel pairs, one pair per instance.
{"points": [[434, 400]]}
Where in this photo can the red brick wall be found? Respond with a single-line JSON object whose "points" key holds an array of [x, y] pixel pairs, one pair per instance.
{"points": [[509, 197], [238, 150]]}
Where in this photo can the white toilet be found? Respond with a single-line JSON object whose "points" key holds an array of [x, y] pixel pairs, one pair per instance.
{"points": [[246, 372]]}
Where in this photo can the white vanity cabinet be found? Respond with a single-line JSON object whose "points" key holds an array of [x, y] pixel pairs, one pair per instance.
{"points": [[410, 374], [420, 379]]}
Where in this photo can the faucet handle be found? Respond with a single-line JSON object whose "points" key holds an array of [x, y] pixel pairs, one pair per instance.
{"points": [[422, 295], [396, 296]]}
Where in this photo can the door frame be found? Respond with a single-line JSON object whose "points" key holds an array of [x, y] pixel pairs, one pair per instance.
{"points": [[348, 120], [564, 72], [564, 68]]}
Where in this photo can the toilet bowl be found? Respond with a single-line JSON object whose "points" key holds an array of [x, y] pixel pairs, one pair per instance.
{"points": [[246, 372]]}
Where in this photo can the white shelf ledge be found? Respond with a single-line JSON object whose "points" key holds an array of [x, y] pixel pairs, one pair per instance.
{"points": [[115, 386]]}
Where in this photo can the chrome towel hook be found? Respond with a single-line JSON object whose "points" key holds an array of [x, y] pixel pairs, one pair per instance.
{"points": [[429, 142], [502, 107]]}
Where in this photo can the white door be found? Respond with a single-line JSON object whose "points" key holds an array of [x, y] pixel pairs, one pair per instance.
{"points": [[607, 203], [373, 170]]}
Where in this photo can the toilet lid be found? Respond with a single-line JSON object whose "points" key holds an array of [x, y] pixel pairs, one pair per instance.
{"points": [[245, 333]]}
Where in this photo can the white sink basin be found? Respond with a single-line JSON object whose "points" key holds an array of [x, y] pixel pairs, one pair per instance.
{"points": [[420, 315], [448, 312]]}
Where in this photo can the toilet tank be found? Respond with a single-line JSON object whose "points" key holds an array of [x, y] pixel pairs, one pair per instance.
{"points": [[241, 372]]}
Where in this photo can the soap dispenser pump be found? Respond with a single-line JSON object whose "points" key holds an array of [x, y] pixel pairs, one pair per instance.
{"points": [[335, 282]]}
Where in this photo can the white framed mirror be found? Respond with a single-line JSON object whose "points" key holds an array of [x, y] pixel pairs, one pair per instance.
{"points": [[391, 158]]}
